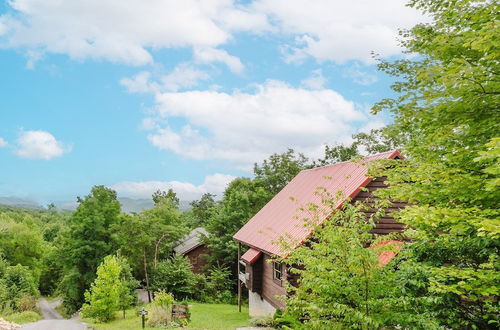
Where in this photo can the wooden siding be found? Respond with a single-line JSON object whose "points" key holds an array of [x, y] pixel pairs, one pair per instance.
{"points": [[385, 224], [197, 257], [270, 287], [254, 282]]}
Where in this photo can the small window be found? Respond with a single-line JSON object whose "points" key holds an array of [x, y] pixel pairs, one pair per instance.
{"points": [[277, 266]]}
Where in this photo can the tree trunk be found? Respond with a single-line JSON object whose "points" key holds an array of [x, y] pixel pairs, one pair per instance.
{"points": [[146, 275]]}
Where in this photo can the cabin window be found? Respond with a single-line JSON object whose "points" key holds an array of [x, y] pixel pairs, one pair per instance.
{"points": [[277, 266]]}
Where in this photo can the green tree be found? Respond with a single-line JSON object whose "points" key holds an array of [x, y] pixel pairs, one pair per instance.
{"points": [[338, 153], [103, 298], [170, 196], [242, 199], [276, 171], [447, 110], [21, 241], [149, 236], [203, 209], [89, 239], [340, 281], [127, 295]]}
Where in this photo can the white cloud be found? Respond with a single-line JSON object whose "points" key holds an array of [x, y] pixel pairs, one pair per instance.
{"points": [[339, 30], [209, 55], [246, 127], [140, 83], [182, 76], [315, 81], [128, 31], [39, 145], [3, 143], [357, 75], [123, 31], [215, 184]]}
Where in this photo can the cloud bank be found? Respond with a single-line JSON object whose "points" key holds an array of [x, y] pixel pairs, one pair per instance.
{"points": [[129, 31], [214, 184]]}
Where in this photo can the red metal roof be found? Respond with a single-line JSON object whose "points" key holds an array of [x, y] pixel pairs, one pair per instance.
{"points": [[251, 256], [281, 217], [387, 255]]}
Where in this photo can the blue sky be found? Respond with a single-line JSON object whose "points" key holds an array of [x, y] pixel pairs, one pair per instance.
{"points": [[141, 95]]}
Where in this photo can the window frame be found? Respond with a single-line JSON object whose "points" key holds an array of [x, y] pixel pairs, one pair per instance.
{"points": [[278, 269]]}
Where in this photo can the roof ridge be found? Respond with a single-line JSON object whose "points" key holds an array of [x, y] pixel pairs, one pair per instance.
{"points": [[350, 161]]}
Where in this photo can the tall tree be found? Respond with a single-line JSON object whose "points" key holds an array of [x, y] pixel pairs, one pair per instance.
{"points": [[448, 109], [149, 236], [203, 209], [90, 238], [242, 199], [276, 171], [170, 196]]}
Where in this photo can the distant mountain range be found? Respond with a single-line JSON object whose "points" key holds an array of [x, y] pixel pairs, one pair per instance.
{"points": [[20, 202], [129, 205]]}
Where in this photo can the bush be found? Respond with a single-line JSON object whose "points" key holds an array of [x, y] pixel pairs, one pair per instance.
{"points": [[160, 313], [262, 321], [23, 317], [219, 285], [26, 304], [174, 275], [18, 290], [20, 281]]}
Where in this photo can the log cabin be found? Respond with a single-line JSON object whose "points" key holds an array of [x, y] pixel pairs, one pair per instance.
{"points": [[192, 247], [264, 277]]}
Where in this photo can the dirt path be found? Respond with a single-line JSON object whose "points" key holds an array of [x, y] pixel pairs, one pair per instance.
{"points": [[52, 319]]}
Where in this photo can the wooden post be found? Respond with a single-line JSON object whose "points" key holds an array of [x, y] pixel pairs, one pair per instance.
{"points": [[238, 277]]}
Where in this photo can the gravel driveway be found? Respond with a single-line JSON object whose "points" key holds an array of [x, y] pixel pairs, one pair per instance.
{"points": [[52, 319]]}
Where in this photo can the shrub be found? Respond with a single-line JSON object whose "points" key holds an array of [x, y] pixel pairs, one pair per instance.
{"points": [[18, 290], [26, 303], [160, 313], [262, 321], [219, 285], [23, 317], [174, 275], [20, 281]]}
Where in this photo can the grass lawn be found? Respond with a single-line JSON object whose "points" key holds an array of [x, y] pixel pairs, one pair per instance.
{"points": [[217, 316], [203, 316]]}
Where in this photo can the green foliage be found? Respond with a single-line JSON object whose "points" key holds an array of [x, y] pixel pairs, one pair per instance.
{"points": [[242, 199], [127, 295], [203, 209], [342, 283], [337, 153], [275, 172], [214, 286], [160, 311], [18, 288], [109, 292], [21, 241], [163, 299], [23, 317], [447, 111], [166, 197], [149, 236], [174, 275], [89, 239]]}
